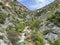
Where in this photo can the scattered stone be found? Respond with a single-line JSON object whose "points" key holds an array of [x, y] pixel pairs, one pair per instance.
{"points": [[52, 37]]}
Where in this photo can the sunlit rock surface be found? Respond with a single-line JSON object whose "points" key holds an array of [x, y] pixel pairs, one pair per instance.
{"points": [[4, 39]]}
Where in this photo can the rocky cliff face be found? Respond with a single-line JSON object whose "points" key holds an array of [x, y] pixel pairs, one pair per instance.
{"points": [[4, 37], [44, 24]]}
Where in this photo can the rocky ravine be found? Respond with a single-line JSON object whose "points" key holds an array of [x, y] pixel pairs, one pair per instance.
{"points": [[15, 17]]}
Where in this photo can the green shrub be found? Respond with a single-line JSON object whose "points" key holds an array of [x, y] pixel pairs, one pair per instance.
{"points": [[35, 24], [57, 42], [46, 32], [55, 18], [38, 38], [12, 34], [20, 27], [2, 17]]}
